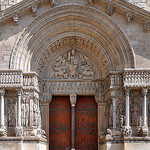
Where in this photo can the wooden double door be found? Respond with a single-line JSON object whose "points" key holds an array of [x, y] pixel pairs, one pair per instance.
{"points": [[86, 133]]}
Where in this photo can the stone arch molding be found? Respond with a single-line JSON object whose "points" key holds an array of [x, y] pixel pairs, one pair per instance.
{"points": [[73, 26]]}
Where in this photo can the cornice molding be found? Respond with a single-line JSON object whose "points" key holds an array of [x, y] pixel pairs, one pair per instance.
{"points": [[19, 9], [123, 6]]}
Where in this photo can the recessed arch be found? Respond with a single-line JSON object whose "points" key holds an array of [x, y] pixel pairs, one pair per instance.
{"points": [[46, 33]]}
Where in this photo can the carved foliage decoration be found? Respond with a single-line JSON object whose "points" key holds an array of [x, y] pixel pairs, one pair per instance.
{"points": [[72, 65]]}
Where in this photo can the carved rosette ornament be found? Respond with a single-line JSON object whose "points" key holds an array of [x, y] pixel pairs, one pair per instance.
{"points": [[73, 65]]}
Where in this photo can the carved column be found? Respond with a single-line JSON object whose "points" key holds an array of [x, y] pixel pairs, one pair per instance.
{"points": [[19, 130], [101, 104], [3, 131], [145, 126], [73, 98], [2, 92], [114, 111], [127, 110], [114, 99], [19, 91], [45, 113], [127, 131]]}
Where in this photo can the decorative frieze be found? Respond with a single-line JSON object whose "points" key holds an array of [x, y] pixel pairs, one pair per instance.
{"points": [[136, 78], [113, 81], [30, 81], [11, 78], [70, 87]]}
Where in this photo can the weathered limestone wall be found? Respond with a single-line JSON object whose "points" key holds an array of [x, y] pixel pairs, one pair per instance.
{"points": [[10, 32], [138, 38]]}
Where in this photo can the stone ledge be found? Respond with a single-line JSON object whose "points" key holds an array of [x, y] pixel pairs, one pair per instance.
{"points": [[24, 139], [125, 140]]}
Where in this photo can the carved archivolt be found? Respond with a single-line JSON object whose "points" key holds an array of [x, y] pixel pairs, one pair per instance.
{"points": [[45, 30], [83, 63]]}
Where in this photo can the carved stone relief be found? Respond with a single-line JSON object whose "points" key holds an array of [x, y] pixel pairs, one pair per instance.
{"points": [[73, 87], [120, 112], [135, 108], [73, 65], [68, 41], [108, 114], [11, 112], [35, 113], [25, 111]]}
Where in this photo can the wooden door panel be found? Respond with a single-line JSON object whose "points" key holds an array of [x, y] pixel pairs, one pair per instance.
{"points": [[86, 123], [60, 124]]}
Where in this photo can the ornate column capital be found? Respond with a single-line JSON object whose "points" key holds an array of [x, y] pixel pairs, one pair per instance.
{"points": [[144, 91], [2, 91], [47, 98], [19, 91], [127, 131], [73, 98], [127, 91]]}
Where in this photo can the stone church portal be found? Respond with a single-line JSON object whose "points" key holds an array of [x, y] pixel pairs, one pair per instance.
{"points": [[74, 75]]}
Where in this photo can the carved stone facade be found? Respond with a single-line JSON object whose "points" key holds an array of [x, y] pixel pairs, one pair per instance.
{"points": [[74, 48]]}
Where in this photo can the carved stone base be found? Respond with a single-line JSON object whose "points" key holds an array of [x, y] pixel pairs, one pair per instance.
{"points": [[35, 132], [19, 131], [144, 131], [3, 131], [30, 132], [127, 131], [41, 133]]}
